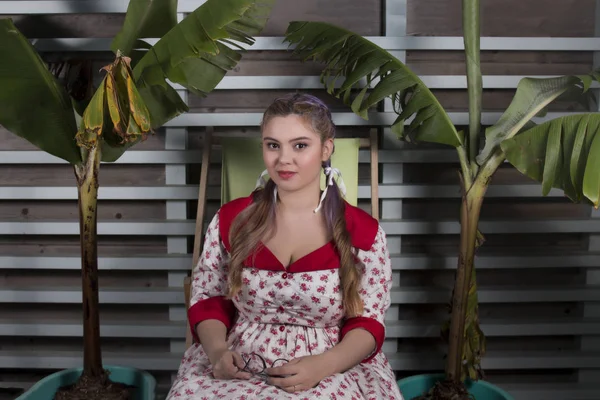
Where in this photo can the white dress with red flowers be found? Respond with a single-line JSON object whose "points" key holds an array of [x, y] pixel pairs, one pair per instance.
{"points": [[289, 313]]}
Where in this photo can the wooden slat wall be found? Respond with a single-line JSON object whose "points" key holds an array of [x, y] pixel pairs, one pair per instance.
{"points": [[412, 335]]}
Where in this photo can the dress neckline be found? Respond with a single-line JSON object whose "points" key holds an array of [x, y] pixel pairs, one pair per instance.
{"points": [[299, 260], [324, 257]]}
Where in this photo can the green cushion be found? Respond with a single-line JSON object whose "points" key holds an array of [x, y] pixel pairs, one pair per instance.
{"points": [[242, 165]]}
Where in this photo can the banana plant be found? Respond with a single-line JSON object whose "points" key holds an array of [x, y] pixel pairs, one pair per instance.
{"points": [[563, 153], [133, 99]]}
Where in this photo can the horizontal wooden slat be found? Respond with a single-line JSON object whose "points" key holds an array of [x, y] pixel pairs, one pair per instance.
{"points": [[109, 296], [394, 328], [190, 192], [282, 82], [79, 6], [391, 227], [70, 328], [508, 360], [408, 191], [525, 294], [393, 43], [137, 193], [158, 361], [161, 228], [169, 157], [341, 119], [547, 260], [403, 295], [408, 262], [247, 119], [157, 157], [157, 262], [302, 82], [523, 18], [399, 361], [503, 327], [404, 227]]}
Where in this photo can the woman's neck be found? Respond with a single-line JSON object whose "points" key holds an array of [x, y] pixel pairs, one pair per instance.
{"points": [[306, 199]]}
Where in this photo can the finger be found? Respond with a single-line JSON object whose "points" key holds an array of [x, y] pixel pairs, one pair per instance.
{"points": [[277, 370], [239, 364], [285, 382], [230, 368], [292, 389], [242, 375], [238, 360], [218, 373], [287, 369]]}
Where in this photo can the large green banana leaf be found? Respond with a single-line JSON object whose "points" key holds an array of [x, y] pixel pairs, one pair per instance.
{"points": [[33, 104], [197, 53], [563, 153], [531, 98], [144, 19], [355, 58]]}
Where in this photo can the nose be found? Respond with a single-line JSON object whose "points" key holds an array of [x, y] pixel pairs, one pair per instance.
{"points": [[285, 156]]}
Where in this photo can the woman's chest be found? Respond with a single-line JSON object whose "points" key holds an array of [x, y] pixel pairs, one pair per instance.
{"points": [[292, 243], [279, 292]]}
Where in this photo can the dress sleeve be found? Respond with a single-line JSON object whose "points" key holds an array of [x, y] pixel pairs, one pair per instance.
{"points": [[209, 285], [375, 289]]}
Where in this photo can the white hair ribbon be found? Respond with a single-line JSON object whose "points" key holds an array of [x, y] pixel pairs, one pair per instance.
{"points": [[261, 181], [331, 173]]}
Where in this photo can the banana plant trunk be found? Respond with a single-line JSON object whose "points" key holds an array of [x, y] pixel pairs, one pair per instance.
{"points": [[472, 200], [87, 188]]}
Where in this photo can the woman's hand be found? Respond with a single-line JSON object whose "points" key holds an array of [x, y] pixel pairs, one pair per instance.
{"points": [[299, 374], [228, 364]]}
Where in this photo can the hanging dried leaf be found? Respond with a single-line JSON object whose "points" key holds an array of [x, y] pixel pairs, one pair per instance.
{"points": [[116, 113]]}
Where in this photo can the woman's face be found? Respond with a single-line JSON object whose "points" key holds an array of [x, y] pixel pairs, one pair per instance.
{"points": [[293, 153]]}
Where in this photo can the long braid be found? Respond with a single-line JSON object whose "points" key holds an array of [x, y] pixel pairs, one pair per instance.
{"points": [[334, 212], [248, 229]]}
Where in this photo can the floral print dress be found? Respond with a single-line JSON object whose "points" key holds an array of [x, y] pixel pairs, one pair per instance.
{"points": [[285, 313]]}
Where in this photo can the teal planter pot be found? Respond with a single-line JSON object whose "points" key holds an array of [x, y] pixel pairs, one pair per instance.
{"points": [[415, 386], [46, 388]]}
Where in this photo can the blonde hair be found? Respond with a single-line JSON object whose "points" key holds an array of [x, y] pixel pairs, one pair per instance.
{"points": [[253, 223]]}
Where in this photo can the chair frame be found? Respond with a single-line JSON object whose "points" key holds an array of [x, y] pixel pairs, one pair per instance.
{"points": [[371, 142]]}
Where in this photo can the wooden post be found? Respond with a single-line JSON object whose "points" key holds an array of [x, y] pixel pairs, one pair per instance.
{"points": [[374, 173], [199, 231]]}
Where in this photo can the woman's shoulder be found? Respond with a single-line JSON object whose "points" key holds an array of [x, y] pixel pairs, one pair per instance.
{"points": [[362, 227], [235, 206], [227, 213]]}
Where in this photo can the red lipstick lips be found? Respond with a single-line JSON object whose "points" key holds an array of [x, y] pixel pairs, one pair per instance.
{"points": [[286, 174]]}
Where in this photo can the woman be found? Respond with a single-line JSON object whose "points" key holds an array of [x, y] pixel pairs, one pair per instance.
{"points": [[290, 292]]}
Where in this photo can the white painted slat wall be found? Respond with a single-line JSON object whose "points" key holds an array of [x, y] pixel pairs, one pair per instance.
{"points": [[394, 190]]}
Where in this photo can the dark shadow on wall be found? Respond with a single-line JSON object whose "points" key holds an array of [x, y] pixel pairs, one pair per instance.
{"points": [[43, 26], [10, 393], [73, 69]]}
